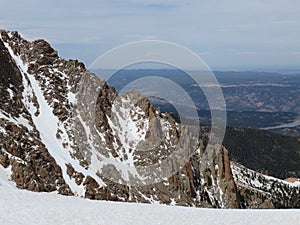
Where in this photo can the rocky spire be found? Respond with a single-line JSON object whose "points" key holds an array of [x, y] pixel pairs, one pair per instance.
{"points": [[62, 129]]}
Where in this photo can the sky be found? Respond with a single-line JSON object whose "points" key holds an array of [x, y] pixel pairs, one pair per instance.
{"points": [[228, 34]]}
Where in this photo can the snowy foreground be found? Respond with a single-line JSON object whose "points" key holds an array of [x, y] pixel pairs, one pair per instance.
{"points": [[24, 207]]}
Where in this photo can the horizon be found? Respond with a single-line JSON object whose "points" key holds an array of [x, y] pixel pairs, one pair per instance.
{"points": [[204, 114], [267, 71], [228, 35]]}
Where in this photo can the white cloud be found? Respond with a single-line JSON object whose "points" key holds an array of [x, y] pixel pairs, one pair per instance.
{"points": [[214, 26]]}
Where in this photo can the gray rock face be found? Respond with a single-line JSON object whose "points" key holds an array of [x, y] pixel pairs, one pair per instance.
{"points": [[62, 129]]}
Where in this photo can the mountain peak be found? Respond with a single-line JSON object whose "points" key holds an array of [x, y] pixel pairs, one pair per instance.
{"points": [[65, 130]]}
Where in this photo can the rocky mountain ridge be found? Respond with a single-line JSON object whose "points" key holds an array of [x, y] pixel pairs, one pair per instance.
{"points": [[62, 129]]}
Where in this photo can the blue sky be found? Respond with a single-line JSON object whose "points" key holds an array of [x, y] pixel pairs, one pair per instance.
{"points": [[228, 34]]}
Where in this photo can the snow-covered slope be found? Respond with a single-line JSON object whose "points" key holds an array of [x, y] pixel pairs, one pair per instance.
{"points": [[265, 190], [64, 130], [20, 207]]}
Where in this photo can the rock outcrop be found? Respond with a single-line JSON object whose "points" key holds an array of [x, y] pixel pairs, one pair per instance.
{"points": [[62, 129], [261, 191]]}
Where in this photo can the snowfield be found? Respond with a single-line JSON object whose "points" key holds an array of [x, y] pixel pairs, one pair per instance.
{"points": [[24, 207]]}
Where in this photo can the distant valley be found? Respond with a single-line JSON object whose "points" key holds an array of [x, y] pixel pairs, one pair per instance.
{"points": [[64, 130], [269, 102], [261, 100]]}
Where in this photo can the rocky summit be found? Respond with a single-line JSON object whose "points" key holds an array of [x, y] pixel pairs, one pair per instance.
{"points": [[63, 129]]}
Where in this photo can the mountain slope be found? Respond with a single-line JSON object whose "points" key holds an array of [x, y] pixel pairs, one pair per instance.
{"points": [[264, 151], [62, 129], [266, 190], [53, 138]]}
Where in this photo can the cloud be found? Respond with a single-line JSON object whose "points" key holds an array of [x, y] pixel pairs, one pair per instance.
{"points": [[216, 27], [134, 37], [5, 24], [246, 53]]}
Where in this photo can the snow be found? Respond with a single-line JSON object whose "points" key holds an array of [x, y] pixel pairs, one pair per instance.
{"points": [[5, 174], [129, 131], [238, 170], [71, 97], [26, 92], [47, 124], [47, 129], [2, 130], [11, 93], [8, 118], [19, 207], [95, 156], [21, 121], [24, 207]]}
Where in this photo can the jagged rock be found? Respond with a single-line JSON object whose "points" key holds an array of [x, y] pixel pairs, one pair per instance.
{"points": [[260, 191], [226, 179], [74, 174], [94, 191], [56, 116]]}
